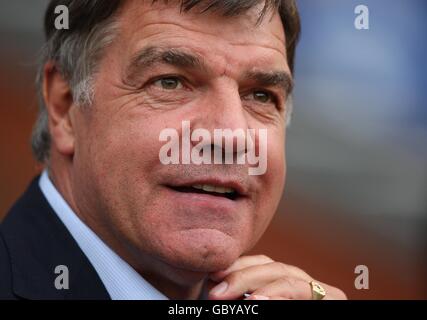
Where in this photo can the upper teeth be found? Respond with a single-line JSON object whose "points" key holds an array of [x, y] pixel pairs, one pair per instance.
{"points": [[211, 188]]}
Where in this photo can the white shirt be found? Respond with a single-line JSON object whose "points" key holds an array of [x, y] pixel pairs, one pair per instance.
{"points": [[119, 278]]}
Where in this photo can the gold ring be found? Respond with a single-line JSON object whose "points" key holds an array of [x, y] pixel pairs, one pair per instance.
{"points": [[317, 291]]}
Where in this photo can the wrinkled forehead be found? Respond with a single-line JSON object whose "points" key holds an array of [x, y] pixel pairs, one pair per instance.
{"points": [[139, 19]]}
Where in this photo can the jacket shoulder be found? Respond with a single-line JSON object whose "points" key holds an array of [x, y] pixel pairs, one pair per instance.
{"points": [[34, 241]]}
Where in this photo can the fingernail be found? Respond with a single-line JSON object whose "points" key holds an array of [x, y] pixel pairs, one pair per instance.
{"points": [[220, 289], [257, 297]]}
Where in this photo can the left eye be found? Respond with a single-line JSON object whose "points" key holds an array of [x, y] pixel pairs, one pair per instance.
{"points": [[262, 96], [169, 83]]}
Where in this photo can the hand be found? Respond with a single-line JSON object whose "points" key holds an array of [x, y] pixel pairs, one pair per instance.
{"points": [[265, 279]]}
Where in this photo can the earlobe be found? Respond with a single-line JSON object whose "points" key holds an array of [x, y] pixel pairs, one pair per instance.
{"points": [[59, 102]]}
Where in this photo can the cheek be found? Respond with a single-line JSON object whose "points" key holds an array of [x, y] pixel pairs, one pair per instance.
{"points": [[276, 171], [119, 156], [127, 146], [124, 160], [272, 183]]}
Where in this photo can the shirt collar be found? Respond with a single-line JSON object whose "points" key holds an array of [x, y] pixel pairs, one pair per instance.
{"points": [[119, 278]]}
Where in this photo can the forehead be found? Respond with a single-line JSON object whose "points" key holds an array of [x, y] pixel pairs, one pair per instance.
{"points": [[235, 39]]}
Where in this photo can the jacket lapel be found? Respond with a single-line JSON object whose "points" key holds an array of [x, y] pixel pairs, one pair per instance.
{"points": [[38, 242]]}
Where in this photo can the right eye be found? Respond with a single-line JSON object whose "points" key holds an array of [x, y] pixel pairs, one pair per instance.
{"points": [[169, 83]]}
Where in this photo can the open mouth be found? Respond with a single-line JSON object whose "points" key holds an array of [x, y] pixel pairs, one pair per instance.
{"points": [[216, 191]]}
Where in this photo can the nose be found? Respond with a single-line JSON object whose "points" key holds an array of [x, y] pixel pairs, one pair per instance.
{"points": [[223, 115]]}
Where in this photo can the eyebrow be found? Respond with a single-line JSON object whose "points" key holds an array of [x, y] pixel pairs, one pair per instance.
{"points": [[175, 57], [279, 79]]}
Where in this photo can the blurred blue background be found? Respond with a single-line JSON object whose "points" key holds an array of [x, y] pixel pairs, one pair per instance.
{"points": [[359, 133]]}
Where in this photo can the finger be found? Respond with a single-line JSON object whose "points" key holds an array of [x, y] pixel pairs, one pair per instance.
{"points": [[249, 279], [257, 297], [249, 261], [209, 285], [288, 288], [333, 293], [297, 289], [241, 263], [278, 298]]}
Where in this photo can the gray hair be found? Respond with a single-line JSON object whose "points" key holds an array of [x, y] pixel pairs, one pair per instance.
{"points": [[77, 51]]}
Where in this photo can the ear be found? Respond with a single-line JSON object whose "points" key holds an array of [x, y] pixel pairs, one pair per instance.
{"points": [[59, 101]]}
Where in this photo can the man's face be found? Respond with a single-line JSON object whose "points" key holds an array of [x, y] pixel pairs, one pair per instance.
{"points": [[165, 67]]}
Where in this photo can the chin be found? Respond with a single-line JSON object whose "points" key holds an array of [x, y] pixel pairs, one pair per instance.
{"points": [[203, 250]]}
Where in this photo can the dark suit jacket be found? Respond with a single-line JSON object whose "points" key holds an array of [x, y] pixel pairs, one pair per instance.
{"points": [[33, 241]]}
